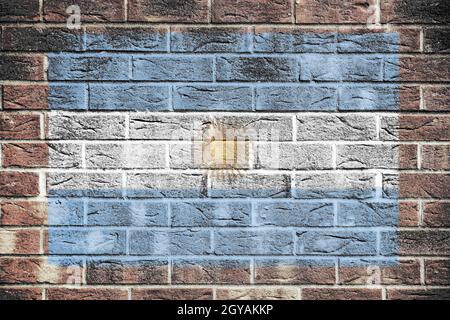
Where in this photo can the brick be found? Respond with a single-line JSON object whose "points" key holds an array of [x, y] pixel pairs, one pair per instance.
{"points": [[415, 242], [255, 11], [19, 241], [87, 184], [295, 271], [172, 68], [165, 185], [210, 39], [390, 186], [38, 270], [296, 98], [23, 213], [409, 97], [318, 67], [19, 184], [437, 272], [417, 69], [19, 11], [126, 271], [20, 293], [414, 11], [191, 11], [293, 156], [412, 128], [437, 98], [212, 98], [25, 97], [409, 214], [149, 39], [418, 294], [370, 97], [67, 96], [126, 213], [341, 294], [436, 40], [373, 42], [170, 242], [85, 127], [81, 241], [65, 212], [249, 68], [330, 11], [334, 185], [91, 10], [22, 67], [288, 40], [254, 242], [196, 271], [19, 126], [436, 157], [187, 127], [368, 214], [69, 67], [32, 155], [424, 185], [294, 214], [251, 185], [436, 214], [341, 243], [257, 294], [382, 156], [172, 294], [42, 39], [210, 214], [86, 294], [332, 127], [125, 156], [373, 272]]}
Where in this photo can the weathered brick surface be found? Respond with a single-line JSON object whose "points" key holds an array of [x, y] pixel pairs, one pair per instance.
{"points": [[251, 149]]}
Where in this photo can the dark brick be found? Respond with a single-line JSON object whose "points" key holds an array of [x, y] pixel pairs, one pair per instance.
{"points": [[21, 67], [91, 10], [19, 10], [257, 294], [437, 40], [172, 294], [436, 214], [86, 294], [436, 157], [418, 294], [340, 294], [424, 185], [235, 11], [20, 293], [437, 272], [418, 69], [191, 11], [415, 242], [437, 98], [415, 11]]}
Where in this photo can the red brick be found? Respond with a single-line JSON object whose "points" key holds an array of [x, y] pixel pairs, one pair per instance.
{"points": [[409, 214], [414, 11], [118, 272], [257, 294], [437, 272], [424, 185], [437, 214], [436, 157], [424, 68], [25, 97], [340, 294], [23, 241], [19, 126], [409, 97], [423, 242], [423, 128], [19, 10], [26, 155], [294, 274], [172, 294], [407, 156], [23, 213], [22, 67], [332, 11], [191, 11], [19, 184], [235, 11], [437, 98], [203, 273], [20, 293], [34, 270], [86, 294], [418, 294], [401, 272], [91, 10]]}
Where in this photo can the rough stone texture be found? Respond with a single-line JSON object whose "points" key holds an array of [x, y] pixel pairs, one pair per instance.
{"points": [[235, 11], [91, 10], [191, 11], [414, 11]]}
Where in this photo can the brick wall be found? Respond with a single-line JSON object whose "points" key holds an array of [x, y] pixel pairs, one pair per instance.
{"points": [[338, 111]]}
